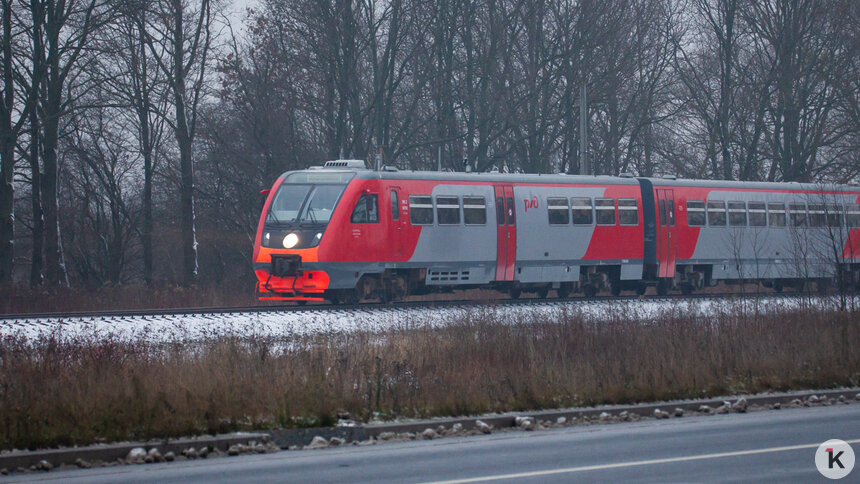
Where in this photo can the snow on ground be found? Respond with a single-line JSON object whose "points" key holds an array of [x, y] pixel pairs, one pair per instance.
{"points": [[156, 328]]}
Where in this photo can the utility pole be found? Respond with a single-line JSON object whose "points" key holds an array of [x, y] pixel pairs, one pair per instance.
{"points": [[584, 164]]}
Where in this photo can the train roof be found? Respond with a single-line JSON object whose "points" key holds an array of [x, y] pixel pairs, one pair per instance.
{"points": [[388, 173]]}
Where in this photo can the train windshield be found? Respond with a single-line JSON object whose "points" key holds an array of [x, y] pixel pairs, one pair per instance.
{"points": [[304, 203]]}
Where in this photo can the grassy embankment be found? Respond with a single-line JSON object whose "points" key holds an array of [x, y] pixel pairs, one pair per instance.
{"points": [[63, 390]]}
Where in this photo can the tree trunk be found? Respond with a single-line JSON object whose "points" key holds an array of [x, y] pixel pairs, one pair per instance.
{"points": [[7, 156], [183, 138], [38, 235]]}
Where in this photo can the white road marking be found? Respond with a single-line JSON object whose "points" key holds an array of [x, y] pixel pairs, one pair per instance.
{"points": [[568, 470]]}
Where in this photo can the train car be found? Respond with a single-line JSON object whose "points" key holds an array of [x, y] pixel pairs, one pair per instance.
{"points": [[344, 233], [779, 234]]}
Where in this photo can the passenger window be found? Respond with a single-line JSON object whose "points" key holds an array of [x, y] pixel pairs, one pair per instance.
{"points": [[448, 210], [717, 213], [797, 211], [605, 208], [500, 210], [758, 214], [395, 208], [661, 205], [776, 214], [511, 214], [628, 211], [816, 215], [420, 210], [695, 213], [852, 215], [737, 214], [834, 215], [558, 211], [582, 212], [366, 210], [474, 211]]}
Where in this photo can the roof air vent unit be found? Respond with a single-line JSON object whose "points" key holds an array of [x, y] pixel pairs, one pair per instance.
{"points": [[626, 175], [670, 177], [389, 168], [345, 164]]}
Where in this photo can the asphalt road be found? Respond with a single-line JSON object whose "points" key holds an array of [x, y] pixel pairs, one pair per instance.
{"points": [[763, 446]]}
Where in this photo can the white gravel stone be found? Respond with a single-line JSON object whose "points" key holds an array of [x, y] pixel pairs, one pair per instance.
{"points": [[429, 434], [318, 443], [483, 427], [704, 409], [169, 456], [387, 436], [44, 465], [136, 455], [561, 421], [660, 413], [604, 416], [336, 441], [740, 405], [457, 427], [679, 412], [525, 423]]}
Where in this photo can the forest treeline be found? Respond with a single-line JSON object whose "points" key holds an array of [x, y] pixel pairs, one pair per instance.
{"points": [[135, 135]]}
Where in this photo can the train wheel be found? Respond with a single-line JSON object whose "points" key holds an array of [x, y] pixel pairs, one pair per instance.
{"points": [[615, 287], [589, 290], [543, 292], [662, 287], [563, 291], [641, 288], [777, 286], [516, 292], [301, 303], [686, 289]]}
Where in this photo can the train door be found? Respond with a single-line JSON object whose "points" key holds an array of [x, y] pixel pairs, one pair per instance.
{"points": [[506, 251], [399, 217], [667, 242]]}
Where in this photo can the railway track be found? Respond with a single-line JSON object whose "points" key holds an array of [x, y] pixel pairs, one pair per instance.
{"points": [[375, 306]]}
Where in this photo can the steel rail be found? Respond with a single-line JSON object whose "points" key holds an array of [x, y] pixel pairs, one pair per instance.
{"points": [[392, 305]]}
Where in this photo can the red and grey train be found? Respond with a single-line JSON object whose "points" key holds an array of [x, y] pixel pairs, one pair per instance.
{"points": [[345, 233]]}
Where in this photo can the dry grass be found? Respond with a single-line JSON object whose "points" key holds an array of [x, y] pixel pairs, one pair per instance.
{"points": [[65, 390]]}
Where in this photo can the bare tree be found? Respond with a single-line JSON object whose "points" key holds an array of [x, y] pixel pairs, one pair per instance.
{"points": [[184, 36]]}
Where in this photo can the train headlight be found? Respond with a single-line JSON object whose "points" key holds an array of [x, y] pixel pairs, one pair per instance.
{"points": [[266, 238], [291, 240]]}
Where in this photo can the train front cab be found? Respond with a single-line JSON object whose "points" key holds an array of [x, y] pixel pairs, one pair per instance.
{"points": [[295, 219]]}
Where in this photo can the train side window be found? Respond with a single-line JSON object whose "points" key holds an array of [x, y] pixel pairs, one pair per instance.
{"points": [[448, 210], [776, 214], [366, 210], [817, 216], [420, 210], [834, 215], [500, 210], [557, 211], [758, 214], [797, 212], [628, 211], [474, 211], [395, 207], [852, 215], [661, 204], [581, 210], [738, 214], [716, 213], [695, 213], [512, 216], [605, 210]]}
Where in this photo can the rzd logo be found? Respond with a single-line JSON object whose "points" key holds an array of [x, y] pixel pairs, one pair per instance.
{"points": [[834, 459], [533, 203]]}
